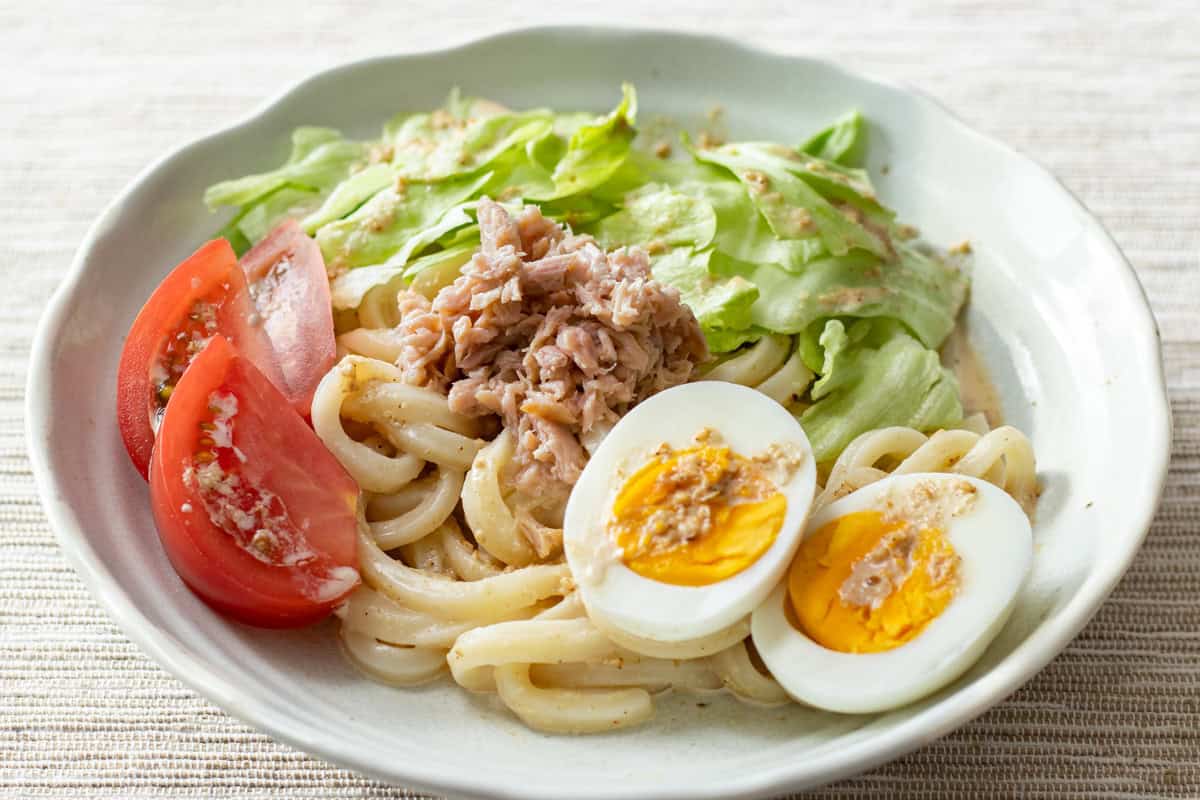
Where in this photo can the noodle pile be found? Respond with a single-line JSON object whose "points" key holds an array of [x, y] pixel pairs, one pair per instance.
{"points": [[454, 577]]}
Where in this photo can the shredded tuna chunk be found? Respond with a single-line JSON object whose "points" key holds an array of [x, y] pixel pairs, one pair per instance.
{"points": [[553, 335]]}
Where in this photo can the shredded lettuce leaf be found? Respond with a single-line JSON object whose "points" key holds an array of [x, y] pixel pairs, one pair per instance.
{"points": [[287, 201], [657, 216], [460, 139], [320, 160], [437, 269], [843, 142], [778, 181], [383, 225], [596, 150], [914, 289], [743, 233], [720, 303], [455, 217], [890, 378], [349, 195], [347, 289], [546, 151]]}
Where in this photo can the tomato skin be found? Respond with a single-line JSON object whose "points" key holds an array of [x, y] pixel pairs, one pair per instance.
{"points": [[290, 287], [282, 458], [210, 275]]}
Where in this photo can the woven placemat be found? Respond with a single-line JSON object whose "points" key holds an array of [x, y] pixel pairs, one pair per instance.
{"points": [[1107, 94]]}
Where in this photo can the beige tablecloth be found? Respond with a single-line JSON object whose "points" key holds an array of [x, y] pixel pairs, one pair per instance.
{"points": [[1107, 94]]}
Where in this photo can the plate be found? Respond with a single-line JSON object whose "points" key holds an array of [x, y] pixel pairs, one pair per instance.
{"points": [[1056, 312]]}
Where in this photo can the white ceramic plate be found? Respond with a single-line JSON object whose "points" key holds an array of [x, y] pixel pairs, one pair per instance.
{"points": [[1055, 309]]}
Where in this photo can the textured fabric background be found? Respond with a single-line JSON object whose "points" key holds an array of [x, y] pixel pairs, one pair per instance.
{"points": [[1107, 94]]}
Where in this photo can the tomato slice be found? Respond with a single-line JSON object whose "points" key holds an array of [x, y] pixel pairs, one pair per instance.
{"points": [[256, 516], [204, 295], [290, 287]]}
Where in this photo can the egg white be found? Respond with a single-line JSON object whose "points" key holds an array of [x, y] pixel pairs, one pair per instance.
{"points": [[995, 543], [650, 612]]}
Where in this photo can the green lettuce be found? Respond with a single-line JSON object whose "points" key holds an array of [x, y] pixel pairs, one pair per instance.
{"points": [[515, 176], [384, 224], [796, 195], [546, 151], [430, 273], [349, 195], [724, 340], [920, 291], [743, 232], [596, 150], [800, 281], [257, 220], [347, 289], [454, 218], [433, 270], [720, 303], [843, 142], [888, 378], [464, 137], [320, 160], [576, 211], [659, 216]]}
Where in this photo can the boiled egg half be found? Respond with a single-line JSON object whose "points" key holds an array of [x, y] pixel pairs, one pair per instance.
{"points": [[687, 515], [894, 592]]}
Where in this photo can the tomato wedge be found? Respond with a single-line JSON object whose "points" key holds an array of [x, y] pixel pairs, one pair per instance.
{"points": [[256, 516], [290, 287], [204, 295]]}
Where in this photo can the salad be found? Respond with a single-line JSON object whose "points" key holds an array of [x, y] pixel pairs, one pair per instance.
{"points": [[578, 413], [782, 242]]}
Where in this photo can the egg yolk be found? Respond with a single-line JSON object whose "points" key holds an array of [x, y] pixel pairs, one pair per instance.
{"points": [[696, 516], [865, 584]]}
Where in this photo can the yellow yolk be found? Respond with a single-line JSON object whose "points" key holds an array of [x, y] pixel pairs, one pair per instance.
{"points": [[866, 584], [697, 516]]}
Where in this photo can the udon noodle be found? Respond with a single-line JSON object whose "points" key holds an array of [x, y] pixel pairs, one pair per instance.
{"points": [[450, 582]]}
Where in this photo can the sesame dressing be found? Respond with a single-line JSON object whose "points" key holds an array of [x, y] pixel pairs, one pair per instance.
{"points": [[255, 517], [178, 350]]}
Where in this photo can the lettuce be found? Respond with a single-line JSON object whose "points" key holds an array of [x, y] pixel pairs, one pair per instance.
{"points": [[438, 269], [307, 138], [384, 224], [595, 150], [889, 378], [462, 138], [576, 212], [795, 194], [852, 268], [743, 232], [257, 220], [348, 288], [725, 340], [320, 160], [546, 151], [658, 216], [430, 273], [923, 293], [349, 195], [843, 142], [719, 303], [454, 218]]}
